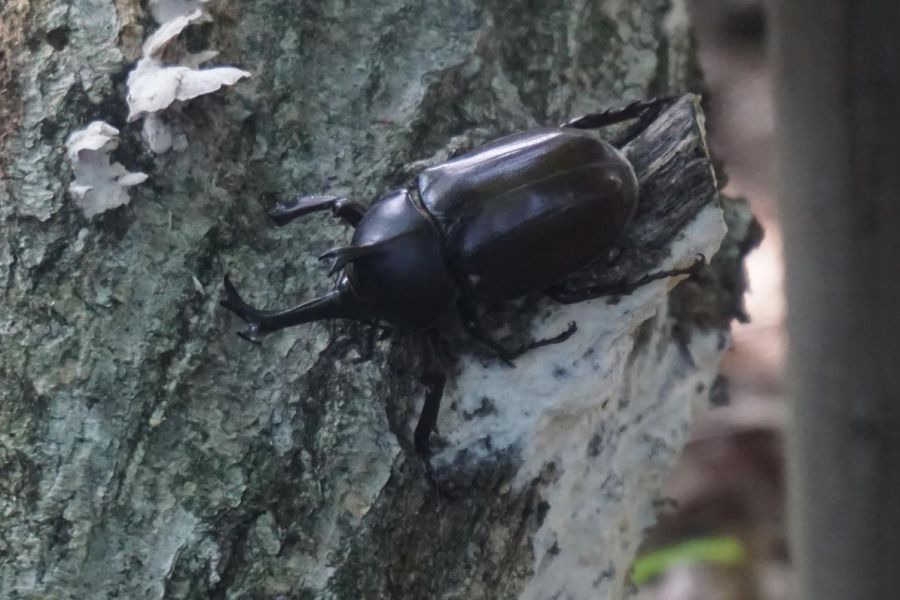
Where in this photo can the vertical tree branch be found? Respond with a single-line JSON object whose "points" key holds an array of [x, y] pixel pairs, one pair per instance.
{"points": [[838, 80]]}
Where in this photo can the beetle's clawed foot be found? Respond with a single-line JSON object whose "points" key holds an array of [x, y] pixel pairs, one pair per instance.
{"points": [[508, 357], [694, 270], [250, 315], [433, 481], [423, 451], [698, 266], [334, 267], [429, 475], [571, 328]]}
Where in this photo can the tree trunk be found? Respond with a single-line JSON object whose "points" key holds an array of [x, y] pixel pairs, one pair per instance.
{"points": [[838, 100], [147, 452]]}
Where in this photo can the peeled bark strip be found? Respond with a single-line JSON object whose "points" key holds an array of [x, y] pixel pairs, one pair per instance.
{"points": [[147, 452]]}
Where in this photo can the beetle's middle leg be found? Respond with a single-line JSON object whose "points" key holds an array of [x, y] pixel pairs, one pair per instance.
{"points": [[473, 326], [347, 210], [571, 296]]}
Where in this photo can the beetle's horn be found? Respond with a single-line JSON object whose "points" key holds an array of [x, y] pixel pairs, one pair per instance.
{"points": [[337, 304], [347, 254]]}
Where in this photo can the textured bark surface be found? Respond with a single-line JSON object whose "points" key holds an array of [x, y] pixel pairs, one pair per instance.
{"points": [[146, 452]]}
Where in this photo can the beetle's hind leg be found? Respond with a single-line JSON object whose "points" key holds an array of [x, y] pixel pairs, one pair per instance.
{"points": [[347, 210], [612, 116], [564, 295]]}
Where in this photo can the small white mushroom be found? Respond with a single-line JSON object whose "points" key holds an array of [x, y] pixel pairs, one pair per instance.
{"points": [[166, 10], [99, 185], [154, 86]]}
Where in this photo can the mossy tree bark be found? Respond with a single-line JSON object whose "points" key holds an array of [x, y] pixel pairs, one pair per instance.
{"points": [[147, 452]]}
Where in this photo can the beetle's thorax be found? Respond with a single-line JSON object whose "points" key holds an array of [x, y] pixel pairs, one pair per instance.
{"points": [[401, 276]]}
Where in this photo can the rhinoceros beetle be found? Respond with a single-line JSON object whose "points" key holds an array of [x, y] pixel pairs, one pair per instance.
{"points": [[515, 217]]}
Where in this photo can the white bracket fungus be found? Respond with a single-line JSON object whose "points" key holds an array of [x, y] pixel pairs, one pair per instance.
{"points": [[98, 185], [166, 10], [154, 86]]}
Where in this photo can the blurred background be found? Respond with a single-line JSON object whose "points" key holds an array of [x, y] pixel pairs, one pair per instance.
{"points": [[721, 533]]}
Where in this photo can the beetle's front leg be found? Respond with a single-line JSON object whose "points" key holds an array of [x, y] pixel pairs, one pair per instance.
{"points": [[349, 211], [564, 295]]}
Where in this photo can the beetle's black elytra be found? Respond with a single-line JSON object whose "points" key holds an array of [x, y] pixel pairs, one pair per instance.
{"points": [[514, 217]]}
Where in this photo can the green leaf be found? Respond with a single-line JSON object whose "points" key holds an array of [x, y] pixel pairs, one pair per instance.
{"points": [[723, 550]]}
